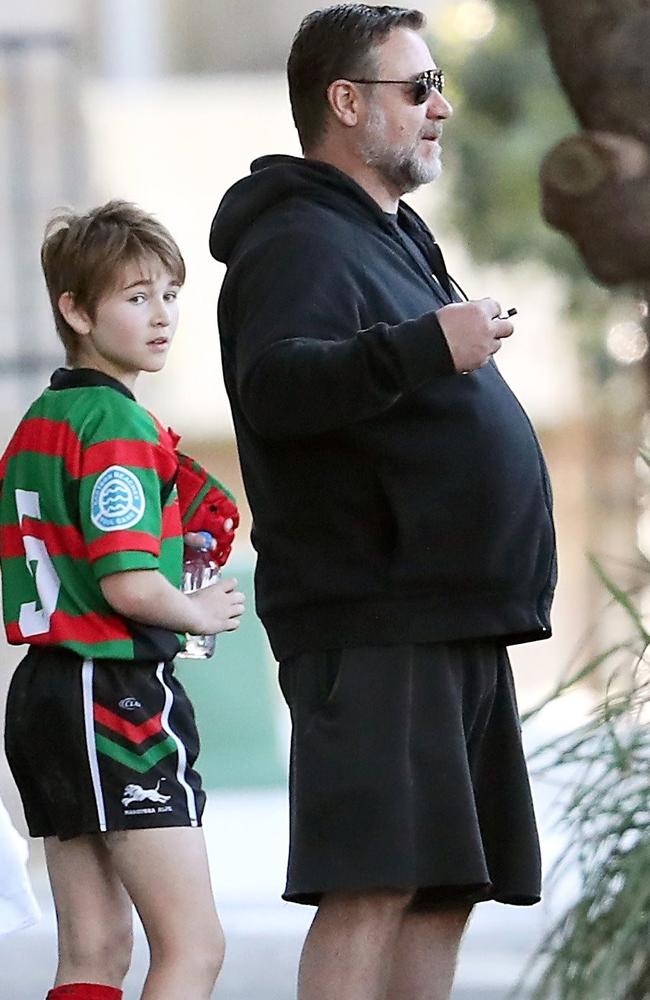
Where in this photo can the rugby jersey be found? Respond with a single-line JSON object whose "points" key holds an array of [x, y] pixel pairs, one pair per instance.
{"points": [[87, 488]]}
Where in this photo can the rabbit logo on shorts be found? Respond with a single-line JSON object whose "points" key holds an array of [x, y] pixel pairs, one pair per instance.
{"points": [[117, 500]]}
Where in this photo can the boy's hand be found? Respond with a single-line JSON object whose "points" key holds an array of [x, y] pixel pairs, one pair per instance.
{"points": [[195, 539], [219, 607], [146, 596]]}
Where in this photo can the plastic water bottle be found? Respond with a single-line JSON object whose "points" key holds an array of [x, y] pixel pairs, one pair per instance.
{"points": [[199, 570]]}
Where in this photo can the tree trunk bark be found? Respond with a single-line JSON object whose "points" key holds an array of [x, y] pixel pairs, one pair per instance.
{"points": [[596, 185]]}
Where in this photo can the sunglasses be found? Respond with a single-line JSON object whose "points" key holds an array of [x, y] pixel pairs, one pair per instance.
{"points": [[422, 86]]}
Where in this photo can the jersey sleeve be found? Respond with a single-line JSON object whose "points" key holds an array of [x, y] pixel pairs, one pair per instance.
{"points": [[125, 498], [206, 505]]}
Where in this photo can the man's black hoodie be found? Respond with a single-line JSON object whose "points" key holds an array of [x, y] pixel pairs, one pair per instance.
{"points": [[393, 499]]}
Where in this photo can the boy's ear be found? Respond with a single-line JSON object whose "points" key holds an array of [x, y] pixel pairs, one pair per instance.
{"points": [[74, 316]]}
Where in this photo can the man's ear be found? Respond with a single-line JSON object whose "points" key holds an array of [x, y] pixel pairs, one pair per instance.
{"points": [[343, 98], [74, 316]]}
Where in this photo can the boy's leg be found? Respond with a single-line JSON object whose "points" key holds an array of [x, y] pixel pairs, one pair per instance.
{"points": [[166, 874], [93, 912]]}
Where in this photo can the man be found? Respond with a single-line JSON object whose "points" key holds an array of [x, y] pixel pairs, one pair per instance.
{"points": [[401, 518]]}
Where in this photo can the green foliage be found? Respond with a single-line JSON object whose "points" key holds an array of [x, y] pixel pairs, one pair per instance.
{"points": [[598, 949], [510, 112]]}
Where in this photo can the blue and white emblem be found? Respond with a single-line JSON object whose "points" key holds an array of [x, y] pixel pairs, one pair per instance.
{"points": [[117, 500]]}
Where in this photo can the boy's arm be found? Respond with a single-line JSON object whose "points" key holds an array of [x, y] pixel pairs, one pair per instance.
{"points": [[146, 596]]}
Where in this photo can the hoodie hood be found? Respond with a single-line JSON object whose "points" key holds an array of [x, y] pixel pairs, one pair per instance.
{"points": [[276, 178]]}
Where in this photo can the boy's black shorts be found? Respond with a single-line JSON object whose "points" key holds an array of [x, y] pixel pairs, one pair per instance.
{"points": [[407, 772], [100, 745]]}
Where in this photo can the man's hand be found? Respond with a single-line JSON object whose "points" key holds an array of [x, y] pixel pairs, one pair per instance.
{"points": [[473, 331], [219, 607]]}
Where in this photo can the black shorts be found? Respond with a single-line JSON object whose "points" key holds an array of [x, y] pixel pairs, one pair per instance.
{"points": [[407, 772], [100, 745]]}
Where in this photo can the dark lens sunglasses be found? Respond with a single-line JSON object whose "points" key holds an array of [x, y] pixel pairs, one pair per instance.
{"points": [[422, 86]]}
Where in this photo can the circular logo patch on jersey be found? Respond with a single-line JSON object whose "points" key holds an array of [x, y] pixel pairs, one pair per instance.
{"points": [[117, 500]]}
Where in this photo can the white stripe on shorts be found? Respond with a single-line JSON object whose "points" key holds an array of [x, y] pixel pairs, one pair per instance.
{"points": [[182, 756], [89, 726]]}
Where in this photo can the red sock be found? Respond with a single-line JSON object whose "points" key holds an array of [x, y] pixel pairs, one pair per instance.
{"points": [[85, 991]]}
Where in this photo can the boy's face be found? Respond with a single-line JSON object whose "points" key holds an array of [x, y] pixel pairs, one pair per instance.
{"points": [[133, 325]]}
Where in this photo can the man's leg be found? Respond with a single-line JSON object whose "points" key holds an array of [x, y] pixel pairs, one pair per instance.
{"points": [[349, 950], [425, 956], [93, 912], [166, 874], [371, 946]]}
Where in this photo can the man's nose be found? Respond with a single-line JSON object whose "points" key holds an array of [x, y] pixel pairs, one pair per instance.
{"points": [[438, 106]]}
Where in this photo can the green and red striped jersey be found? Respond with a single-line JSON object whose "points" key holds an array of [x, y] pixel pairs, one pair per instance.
{"points": [[87, 488]]}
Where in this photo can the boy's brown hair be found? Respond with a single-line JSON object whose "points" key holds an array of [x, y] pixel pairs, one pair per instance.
{"points": [[85, 255]]}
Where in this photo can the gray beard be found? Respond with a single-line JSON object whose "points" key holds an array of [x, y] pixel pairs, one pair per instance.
{"points": [[401, 168]]}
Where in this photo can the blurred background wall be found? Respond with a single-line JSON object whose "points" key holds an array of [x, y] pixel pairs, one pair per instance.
{"points": [[165, 103]]}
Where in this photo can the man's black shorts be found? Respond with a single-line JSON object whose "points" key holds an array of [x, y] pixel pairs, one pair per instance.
{"points": [[407, 772], [101, 745]]}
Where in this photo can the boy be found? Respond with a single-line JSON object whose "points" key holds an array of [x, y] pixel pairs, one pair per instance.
{"points": [[100, 736]]}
